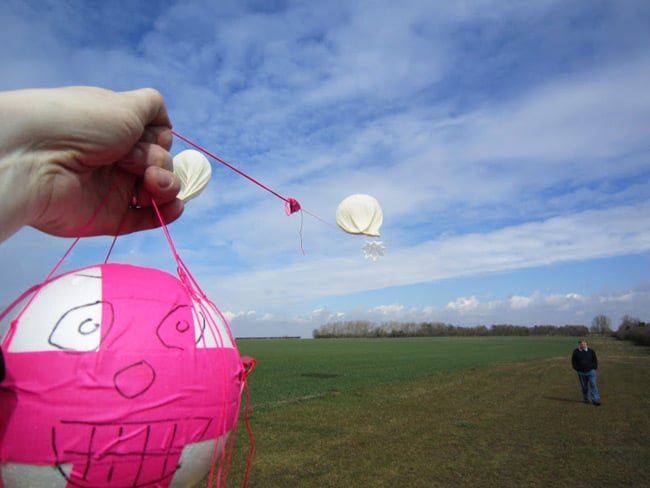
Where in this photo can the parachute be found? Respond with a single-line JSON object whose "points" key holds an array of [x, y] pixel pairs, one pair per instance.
{"points": [[194, 170], [356, 214], [360, 214]]}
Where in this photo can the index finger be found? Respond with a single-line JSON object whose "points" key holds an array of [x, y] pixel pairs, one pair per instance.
{"points": [[150, 107], [159, 135]]}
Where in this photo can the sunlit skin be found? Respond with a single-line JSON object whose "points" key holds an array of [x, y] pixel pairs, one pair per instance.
{"points": [[65, 152]]}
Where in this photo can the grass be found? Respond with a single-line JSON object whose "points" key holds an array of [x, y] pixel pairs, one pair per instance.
{"points": [[291, 370], [489, 412]]}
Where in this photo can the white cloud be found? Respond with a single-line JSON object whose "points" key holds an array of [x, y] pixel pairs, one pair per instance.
{"points": [[493, 138], [230, 316], [629, 297], [540, 309], [573, 237], [519, 302], [464, 304], [389, 310]]}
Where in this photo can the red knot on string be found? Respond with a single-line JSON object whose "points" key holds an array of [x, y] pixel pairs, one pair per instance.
{"points": [[291, 204]]}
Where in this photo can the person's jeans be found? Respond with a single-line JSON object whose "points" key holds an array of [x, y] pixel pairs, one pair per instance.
{"points": [[589, 385]]}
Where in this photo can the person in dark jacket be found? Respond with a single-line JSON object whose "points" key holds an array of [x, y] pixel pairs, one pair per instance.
{"points": [[585, 362]]}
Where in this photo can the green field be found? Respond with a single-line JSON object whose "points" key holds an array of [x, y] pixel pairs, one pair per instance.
{"points": [[438, 412], [295, 369]]}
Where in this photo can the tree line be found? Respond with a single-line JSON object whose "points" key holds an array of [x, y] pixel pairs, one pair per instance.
{"points": [[364, 328], [631, 329], [634, 330]]}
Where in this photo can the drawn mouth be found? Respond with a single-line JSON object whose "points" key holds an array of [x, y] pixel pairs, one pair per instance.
{"points": [[124, 454]]}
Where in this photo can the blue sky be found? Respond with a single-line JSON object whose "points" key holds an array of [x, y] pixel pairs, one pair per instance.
{"points": [[506, 141]]}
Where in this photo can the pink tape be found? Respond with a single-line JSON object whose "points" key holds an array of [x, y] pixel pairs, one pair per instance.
{"points": [[121, 415]]}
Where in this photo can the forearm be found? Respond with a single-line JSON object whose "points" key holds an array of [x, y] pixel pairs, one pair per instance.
{"points": [[16, 168], [15, 209]]}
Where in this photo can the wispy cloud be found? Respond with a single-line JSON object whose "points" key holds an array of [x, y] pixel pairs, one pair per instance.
{"points": [[560, 239], [498, 136]]}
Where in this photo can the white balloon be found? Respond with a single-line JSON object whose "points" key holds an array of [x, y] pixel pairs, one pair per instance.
{"points": [[360, 214], [194, 170]]}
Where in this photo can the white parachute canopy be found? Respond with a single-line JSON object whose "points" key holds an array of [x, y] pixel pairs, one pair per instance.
{"points": [[360, 214], [194, 170]]}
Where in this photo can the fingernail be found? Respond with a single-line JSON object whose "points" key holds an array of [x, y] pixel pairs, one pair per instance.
{"points": [[165, 180]]}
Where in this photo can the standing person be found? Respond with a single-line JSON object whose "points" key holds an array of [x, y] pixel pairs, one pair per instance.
{"points": [[585, 362]]}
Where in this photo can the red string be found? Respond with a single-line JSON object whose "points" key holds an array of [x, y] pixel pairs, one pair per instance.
{"points": [[192, 286], [249, 366], [231, 448], [195, 290], [291, 203], [24, 295], [37, 288], [247, 420]]}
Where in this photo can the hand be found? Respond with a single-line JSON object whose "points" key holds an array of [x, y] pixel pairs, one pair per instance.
{"points": [[64, 151]]}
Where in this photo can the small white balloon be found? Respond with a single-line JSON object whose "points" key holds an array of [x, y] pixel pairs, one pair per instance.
{"points": [[360, 214], [194, 170]]}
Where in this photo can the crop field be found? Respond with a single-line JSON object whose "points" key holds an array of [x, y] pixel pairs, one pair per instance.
{"points": [[290, 370], [437, 412]]}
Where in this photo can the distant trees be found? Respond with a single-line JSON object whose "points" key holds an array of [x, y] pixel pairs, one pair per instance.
{"points": [[601, 324], [633, 329], [351, 328], [362, 328]]}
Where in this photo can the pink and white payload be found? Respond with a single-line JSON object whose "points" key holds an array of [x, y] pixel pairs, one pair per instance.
{"points": [[117, 376]]}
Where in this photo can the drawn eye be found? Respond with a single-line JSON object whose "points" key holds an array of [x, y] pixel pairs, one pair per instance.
{"points": [[176, 330], [80, 329]]}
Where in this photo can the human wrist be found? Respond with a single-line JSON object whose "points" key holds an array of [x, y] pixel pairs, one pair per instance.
{"points": [[16, 187], [21, 124], [20, 120]]}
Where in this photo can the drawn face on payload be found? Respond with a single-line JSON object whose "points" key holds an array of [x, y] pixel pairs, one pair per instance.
{"points": [[131, 382]]}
